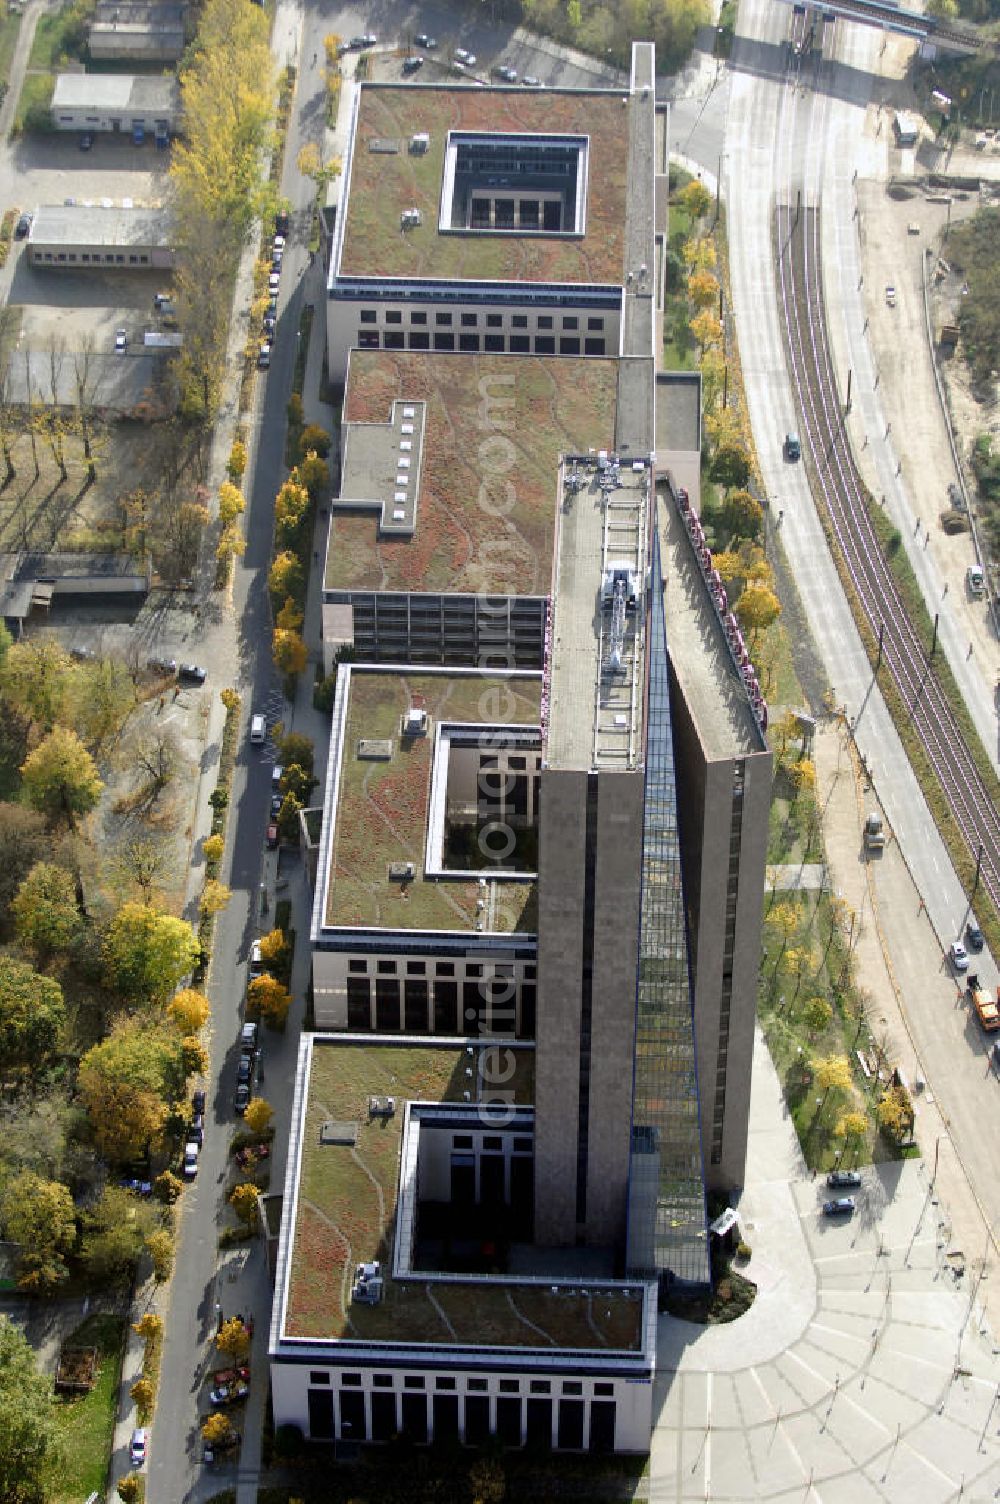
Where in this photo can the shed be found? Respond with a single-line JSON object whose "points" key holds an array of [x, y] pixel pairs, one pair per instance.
{"points": [[906, 127], [136, 31]]}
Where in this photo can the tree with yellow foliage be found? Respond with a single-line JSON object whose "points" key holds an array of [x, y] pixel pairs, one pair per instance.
{"points": [[258, 1115], [289, 652], [188, 1010]]}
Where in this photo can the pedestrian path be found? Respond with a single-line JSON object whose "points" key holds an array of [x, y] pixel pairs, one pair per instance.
{"points": [[802, 877]]}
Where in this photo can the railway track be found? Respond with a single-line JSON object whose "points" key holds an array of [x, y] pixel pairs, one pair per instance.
{"points": [[841, 494]]}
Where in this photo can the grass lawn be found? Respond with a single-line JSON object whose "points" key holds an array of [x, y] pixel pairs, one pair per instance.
{"points": [[60, 36], [10, 25], [35, 100], [86, 1423]]}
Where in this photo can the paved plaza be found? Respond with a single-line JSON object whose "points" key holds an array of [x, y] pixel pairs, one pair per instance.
{"points": [[864, 1370]]}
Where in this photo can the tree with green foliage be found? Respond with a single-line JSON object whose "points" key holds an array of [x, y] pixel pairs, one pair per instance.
{"points": [[60, 778], [113, 1233], [695, 199], [296, 750], [29, 1446], [35, 678], [288, 818], [46, 916], [757, 608], [816, 1014], [730, 465], [314, 440], [32, 1015], [101, 696], [129, 1082], [147, 953], [291, 508], [160, 1247], [742, 514], [24, 840], [38, 1215], [297, 780]]}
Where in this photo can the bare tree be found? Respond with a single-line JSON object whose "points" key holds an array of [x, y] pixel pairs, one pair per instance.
{"points": [[159, 757], [86, 381]]}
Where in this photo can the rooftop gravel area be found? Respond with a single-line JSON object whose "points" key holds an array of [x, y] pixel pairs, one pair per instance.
{"points": [[485, 512], [384, 183], [381, 814], [346, 1213]]}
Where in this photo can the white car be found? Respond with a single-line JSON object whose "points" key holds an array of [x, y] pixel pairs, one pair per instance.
{"points": [[191, 1151], [278, 244], [467, 58], [137, 1446], [121, 342], [274, 282], [264, 355], [958, 956]]}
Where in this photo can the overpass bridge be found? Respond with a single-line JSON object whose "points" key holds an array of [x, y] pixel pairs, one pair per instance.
{"points": [[948, 36]]}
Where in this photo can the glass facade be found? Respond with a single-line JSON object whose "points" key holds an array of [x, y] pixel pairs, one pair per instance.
{"points": [[667, 1223]]}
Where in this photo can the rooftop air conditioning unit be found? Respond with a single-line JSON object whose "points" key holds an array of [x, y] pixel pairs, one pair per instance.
{"points": [[415, 721], [381, 1107], [409, 218], [402, 872], [420, 143], [368, 1284]]}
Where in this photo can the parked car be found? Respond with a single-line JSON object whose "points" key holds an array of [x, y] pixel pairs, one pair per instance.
{"points": [[281, 222], [531, 82], [232, 1393], [244, 1070], [277, 800], [425, 41], [86, 141], [137, 1446], [227, 1375], [273, 283], [467, 59], [22, 227], [277, 257], [272, 835], [412, 64], [191, 1151], [278, 244], [890, 295], [121, 341], [162, 300], [196, 1132], [508, 74], [793, 447], [256, 959], [974, 936], [842, 1206], [198, 1100], [272, 304], [958, 956], [264, 355], [162, 665], [843, 1180], [136, 1185], [191, 673], [241, 1099], [269, 324]]}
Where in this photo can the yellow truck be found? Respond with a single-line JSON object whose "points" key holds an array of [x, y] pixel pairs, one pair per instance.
{"points": [[984, 1003]]}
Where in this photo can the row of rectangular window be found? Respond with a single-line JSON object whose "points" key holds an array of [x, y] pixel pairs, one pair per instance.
{"points": [[514, 344], [91, 258], [360, 966], [595, 323], [472, 1385]]}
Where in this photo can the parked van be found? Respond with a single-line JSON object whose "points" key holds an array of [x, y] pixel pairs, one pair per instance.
{"points": [[248, 1038], [975, 580], [256, 959], [258, 730]]}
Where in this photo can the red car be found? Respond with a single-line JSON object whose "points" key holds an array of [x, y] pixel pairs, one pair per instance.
{"points": [[272, 835]]}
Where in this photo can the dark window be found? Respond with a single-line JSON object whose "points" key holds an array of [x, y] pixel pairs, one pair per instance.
{"points": [[540, 1386], [572, 1387], [321, 1414], [443, 320], [470, 320], [524, 1143], [492, 1141], [602, 1426], [420, 341], [386, 1006], [386, 968], [413, 1381], [519, 321], [571, 321], [418, 317], [469, 342], [595, 323], [358, 966], [319, 1378], [350, 1381], [445, 1417], [444, 342], [383, 1417], [463, 1180], [593, 347], [494, 321], [444, 1383], [570, 1425], [368, 316], [569, 347], [352, 1416], [359, 1003], [415, 1007], [520, 344], [544, 321], [368, 339], [394, 339], [527, 1030], [604, 1388], [415, 1417], [382, 1380], [445, 969], [474, 970], [478, 1386], [510, 1386], [544, 344], [393, 316], [445, 1007], [416, 968], [461, 1141], [477, 1420], [493, 342], [509, 1422], [539, 1423]]}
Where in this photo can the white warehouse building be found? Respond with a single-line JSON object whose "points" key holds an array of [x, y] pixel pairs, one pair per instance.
{"points": [[116, 102]]}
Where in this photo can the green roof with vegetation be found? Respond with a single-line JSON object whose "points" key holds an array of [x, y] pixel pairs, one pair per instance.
{"points": [[381, 814], [486, 503], [385, 182], [346, 1214]]}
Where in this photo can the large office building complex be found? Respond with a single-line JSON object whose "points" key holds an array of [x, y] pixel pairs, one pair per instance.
{"points": [[540, 871]]}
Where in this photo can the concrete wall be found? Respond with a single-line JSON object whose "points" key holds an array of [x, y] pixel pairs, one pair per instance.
{"points": [[345, 326], [612, 1029], [291, 1383], [562, 800]]}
